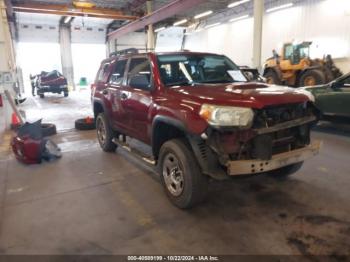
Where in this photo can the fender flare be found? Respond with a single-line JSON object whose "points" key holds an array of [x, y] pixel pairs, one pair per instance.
{"points": [[99, 102]]}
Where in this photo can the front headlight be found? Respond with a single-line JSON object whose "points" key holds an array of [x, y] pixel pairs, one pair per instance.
{"points": [[227, 116]]}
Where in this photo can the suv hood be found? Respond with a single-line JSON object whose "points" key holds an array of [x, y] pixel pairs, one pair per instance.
{"points": [[252, 95]]}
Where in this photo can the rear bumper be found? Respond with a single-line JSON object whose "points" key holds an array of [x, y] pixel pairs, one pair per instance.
{"points": [[248, 167], [53, 89]]}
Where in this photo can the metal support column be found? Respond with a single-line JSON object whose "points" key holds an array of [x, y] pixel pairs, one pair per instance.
{"points": [[258, 27], [7, 66], [150, 30], [66, 54]]}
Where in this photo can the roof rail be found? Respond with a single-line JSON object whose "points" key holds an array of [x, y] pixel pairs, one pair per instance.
{"points": [[129, 51], [124, 52]]}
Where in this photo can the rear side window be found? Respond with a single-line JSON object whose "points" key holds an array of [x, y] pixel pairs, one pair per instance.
{"points": [[118, 72], [101, 76]]}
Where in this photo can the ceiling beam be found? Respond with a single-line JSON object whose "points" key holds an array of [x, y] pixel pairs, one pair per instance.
{"points": [[169, 10], [64, 10]]}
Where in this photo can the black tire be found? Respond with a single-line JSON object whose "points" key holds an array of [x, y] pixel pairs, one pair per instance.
{"points": [[65, 94], [194, 183], [41, 95], [312, 77], [106, 143], [272, 78], [81, 124], [48, 129], [286, 171]]}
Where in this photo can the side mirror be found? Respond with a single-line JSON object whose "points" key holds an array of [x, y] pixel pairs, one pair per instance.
{"points": [[140, 82]]}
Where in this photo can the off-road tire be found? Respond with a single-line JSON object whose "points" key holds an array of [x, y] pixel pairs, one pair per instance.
{"points": [[81, 124], [107, 144], [48, 129], [318, 77], [270, 74], [286, 171], [195, 184]]}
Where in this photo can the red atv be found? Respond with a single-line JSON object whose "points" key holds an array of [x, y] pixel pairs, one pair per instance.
{"points": [[49, 82]]}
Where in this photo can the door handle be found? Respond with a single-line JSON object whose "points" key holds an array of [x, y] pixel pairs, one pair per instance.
{"points": [[124, 96], [105, 92]]}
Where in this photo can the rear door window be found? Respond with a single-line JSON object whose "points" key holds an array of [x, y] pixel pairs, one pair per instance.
{"points": [[102, 74], [118, 72], [140, 66]]}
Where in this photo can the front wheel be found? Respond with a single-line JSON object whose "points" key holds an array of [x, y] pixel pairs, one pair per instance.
{"points": [[286, 171], [180, 174], [105, 134], [272, 78], [65, 94], [312, 78]]}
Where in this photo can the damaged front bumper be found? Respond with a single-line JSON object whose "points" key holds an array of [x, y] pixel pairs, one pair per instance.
{"points": [[248, 167]]}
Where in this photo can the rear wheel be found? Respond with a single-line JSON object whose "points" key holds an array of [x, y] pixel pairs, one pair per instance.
{"points": [[312, 78], [65, 93], [272, 78], [180, 174], [41, 95], [105, 134]]}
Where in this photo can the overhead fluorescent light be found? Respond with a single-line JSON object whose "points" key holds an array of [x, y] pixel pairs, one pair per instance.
{"points": [[67, 19], [83, 4], [279, 7], [212, 25], [159, 29], [181, 22], [239, 18], [234, 4], [203, 14]]}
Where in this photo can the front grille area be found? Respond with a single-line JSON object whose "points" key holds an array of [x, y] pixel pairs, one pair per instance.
{"points": [[271, 116], [265, 145]]}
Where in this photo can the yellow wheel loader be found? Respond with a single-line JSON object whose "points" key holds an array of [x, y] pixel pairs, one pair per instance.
{"points": [[295, 68]]}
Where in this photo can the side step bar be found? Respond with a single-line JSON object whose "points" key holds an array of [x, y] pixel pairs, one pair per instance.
{"points": [[138, 154]]}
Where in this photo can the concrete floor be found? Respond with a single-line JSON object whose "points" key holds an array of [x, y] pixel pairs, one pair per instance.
{"points": [[90, 202]]}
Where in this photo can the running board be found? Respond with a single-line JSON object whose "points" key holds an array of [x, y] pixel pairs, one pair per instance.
{"points": [[134, 152]]}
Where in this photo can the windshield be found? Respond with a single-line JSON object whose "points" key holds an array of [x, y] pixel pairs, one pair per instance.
{"points": [[197, 68]]}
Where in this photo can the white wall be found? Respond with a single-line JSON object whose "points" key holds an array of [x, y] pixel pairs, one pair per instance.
{"points": [[131, 40], [325, 22], [170, 39], [232, 39]]}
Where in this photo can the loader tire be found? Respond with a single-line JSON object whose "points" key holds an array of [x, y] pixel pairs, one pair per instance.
{"points": [[312, 78], [272, 78]]}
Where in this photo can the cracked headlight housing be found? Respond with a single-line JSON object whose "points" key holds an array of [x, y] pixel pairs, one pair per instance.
{"points": [[227, 116]]}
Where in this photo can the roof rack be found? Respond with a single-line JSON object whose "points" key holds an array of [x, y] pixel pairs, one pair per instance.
{"points": [[129, 51]]}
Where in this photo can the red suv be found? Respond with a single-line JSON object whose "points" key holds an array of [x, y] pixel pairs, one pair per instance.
{"points": [[201, 118]]}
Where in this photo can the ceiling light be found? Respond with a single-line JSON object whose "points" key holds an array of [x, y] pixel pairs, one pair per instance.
{"points": [[83, 4], [279, 7], [159, 29], [181, 22], [203, 14], [239, 18], [67, 19], [234, 4], [212, 25]]}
